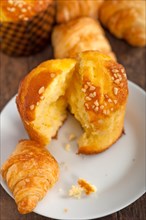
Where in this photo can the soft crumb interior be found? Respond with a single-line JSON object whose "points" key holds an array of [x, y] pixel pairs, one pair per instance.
{"points": [[51, 118], [52, 109], [76, 101]]}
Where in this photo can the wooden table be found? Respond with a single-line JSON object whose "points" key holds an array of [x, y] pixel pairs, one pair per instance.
{"points": [[14, 69]]}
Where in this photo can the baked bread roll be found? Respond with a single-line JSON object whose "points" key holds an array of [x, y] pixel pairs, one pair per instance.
{"points": [[79, 35], [97, 98], [68, 10], [125, 19], [29, 173], [41, 99], [25, 25]]}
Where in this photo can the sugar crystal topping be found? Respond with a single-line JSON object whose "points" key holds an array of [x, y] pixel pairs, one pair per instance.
{"points": [[24, 9], [92, 100], [105, 103]]}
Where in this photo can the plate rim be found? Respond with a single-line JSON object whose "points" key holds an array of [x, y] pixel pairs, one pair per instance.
{"points": [[137, 196]]}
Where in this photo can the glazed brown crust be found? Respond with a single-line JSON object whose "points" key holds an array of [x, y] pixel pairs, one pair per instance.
{"points": [[114, 97], [28, 93], [24, 10], [34, 92], [29, 97]]}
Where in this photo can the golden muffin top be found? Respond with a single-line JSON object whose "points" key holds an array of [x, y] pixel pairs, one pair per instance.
{"points": [[14, 10], [104, 83]]}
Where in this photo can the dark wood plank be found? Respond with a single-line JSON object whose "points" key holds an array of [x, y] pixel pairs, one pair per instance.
{"points": [[36, 59], [136, 211], [12, 70], [9, 210]]}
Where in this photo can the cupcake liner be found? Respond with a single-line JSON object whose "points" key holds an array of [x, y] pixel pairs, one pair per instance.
{"points": [[24, 38]]}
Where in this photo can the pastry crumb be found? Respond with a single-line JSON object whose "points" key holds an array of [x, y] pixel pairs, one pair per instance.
{"points": [[67, 147], [83, 188], [65, 210], [88, 188], [75, 191], [72, 137]]}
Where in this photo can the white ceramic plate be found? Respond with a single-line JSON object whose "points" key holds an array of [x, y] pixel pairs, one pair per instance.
{"points": [[118, 173]]}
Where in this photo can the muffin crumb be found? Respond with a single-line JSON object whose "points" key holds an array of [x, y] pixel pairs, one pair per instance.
{"points": [[67, 147], [75, 191], [83, 187], [72, 137], [88, 188]]}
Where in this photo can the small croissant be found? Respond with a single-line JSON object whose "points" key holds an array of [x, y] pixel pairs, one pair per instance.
{"points": [[80, 35], [29, 173], [125, 19]]}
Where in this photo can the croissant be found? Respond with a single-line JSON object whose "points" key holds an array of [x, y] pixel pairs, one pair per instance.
{"points": [[41, 99], [29, 173], [97, 98], [125, 19], [79, 35], [68, 10]]}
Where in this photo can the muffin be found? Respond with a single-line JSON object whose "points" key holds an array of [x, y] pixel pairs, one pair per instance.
{"points": [[97, 98], [25, 25]]}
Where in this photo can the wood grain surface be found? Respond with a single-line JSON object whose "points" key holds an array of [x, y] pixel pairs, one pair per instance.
{"points": [[14, 69]]}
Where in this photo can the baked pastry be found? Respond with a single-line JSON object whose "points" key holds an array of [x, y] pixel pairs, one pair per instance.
{"points": [[68, 10], [25, 25], [29, 173], [97, 98], [79, 35], [125, 19], [41, 99]]}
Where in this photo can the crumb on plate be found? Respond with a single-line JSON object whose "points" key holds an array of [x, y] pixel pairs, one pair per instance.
{"points": [[67, 147], [72, 137], [75, 191], [83, 187], [88, 188]]}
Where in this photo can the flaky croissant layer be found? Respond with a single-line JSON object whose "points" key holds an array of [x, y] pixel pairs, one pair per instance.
{"points": [[79, 35], [70, 9], [126, 19], [29, 173]]}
